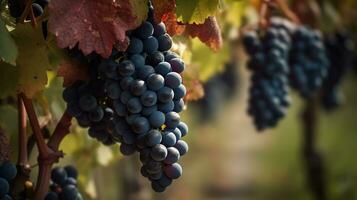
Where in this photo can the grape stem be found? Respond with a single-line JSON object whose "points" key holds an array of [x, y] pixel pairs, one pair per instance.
{"points": [[48, 153], [26, 11]]}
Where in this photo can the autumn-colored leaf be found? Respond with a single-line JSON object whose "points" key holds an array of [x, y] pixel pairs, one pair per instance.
{"points": [[195, 91], [72, 71], [208, 32], [172, 26], [95, 25], [163, 8]]}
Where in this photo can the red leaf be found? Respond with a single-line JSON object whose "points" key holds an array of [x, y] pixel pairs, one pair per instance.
{"points": [[163, 8], [172, 26], [95, 24], [208, 32], [72, 71]]}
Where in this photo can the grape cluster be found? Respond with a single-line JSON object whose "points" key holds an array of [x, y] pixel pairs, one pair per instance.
{"points": [[63, 184], [308, 61], [339, 48], [8, 172], [134, 98], [269, 81]]}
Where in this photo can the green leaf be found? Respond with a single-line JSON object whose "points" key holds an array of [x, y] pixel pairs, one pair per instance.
{"points": [[9, 76], [206, 61], [8, 49], [195, 11], [33, 59], [235, 12]]}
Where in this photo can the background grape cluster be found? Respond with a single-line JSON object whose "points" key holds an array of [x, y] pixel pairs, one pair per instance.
{"points": [[134, 98], [282, 56], [63, 184], [269, 96], [308, 61], [339, 48], [8, 172]]}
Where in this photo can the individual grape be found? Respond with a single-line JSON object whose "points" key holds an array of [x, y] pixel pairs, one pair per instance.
{"points": [[155, 176], [37, 9], [130, 118], [155, 82], [59, 175], [138, 61], [153, 138], [136, 46], [159, 29], [179, 92], [183, 128], [157, 119], [153, 166], [173, 80], [169, 55], [87, 102], [165, 42], [69, 192], [173, 156], [157, 187], [151, 45], [128, 137], [125, 97], [145, 157], [145, 30], [4, 187], [51, 196], [182, 147], [166, 107], [140, 125], [126, 68], [155, 58], [149, 98], [125, 83], [179, 105], [134, 105], [177, 133], [127, 149], [164, 181], [8, 171], [70, 181], [168, 139], [172, 119], [163, 68], [109, 68], [145, 72], [165, 94], [173, 171], [158, 152], [177, 65], [70, 94], [120, 108], [71, 171], [96, 114], [147, 111]]}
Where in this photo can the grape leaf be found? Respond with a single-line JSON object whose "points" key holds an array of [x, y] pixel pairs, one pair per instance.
{"points": [[172, 26], [208, 32], [195, 11], [9, 76], [8, 49], [95, 25], [32, 60], [72, 71]]}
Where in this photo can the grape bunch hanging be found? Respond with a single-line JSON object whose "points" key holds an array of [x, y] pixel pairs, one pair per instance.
{"points": [[134, 98], [282, 56], [63, 185], [8, 173]]}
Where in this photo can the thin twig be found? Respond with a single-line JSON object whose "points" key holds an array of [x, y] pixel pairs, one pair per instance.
{"points": [[26, 11], [62, 129], [40, 141], [22, 157]]}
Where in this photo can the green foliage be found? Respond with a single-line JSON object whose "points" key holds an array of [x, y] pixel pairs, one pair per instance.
{"points": [[9, 76], [195, 11], [8, 49], [33, 59]]}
